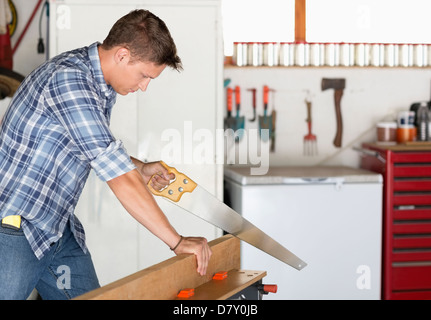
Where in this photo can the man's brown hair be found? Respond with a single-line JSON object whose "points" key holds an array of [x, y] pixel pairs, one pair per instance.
{"points": [[147, 38]]}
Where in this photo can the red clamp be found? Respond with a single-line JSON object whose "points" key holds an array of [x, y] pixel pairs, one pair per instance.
{"points": [[186, 293], [220, 275]]}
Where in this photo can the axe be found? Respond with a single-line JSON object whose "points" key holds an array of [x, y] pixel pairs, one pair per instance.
{"points": [[338, 85]]}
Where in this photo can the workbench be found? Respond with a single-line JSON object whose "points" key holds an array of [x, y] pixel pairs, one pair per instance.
{"points": [[166, 280]]}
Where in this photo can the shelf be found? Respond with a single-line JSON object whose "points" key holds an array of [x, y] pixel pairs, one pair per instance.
{"points": [[232, 67]]}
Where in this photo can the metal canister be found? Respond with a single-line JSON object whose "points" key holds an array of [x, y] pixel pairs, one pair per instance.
{"points": [[389, 52], [315, 54], [418, 55], [301, 54], [360, 60], [375, 55], [239, 54], [286, 54], [322, 53], [396, 55], [405, 55], [270, 54], [346, 54], [426, 56], [255, 54], [330, 54]]}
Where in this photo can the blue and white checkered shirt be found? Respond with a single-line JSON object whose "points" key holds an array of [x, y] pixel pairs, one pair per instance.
{"points": [[54, 132]]}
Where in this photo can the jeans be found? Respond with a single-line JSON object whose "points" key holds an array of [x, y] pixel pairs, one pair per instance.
{"points": [[63, 273]]}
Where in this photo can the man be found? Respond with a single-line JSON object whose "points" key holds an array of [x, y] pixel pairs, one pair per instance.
{"points": [[54, 132]]}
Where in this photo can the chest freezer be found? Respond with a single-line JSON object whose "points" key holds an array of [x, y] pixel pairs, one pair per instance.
{"points": [[330, 217]]}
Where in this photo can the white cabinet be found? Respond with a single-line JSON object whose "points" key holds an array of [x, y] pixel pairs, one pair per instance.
{"points": [[330, 217], [179, 110]]}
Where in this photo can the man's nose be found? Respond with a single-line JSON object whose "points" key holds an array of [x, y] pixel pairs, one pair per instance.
{"points": [[144, 84]]}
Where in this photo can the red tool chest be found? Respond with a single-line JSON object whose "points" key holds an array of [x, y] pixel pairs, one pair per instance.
{"points": [[406, 260]]}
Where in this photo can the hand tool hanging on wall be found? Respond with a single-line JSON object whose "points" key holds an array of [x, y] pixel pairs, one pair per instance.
{"points": [[265, 121], [272, 149], [253, 91], [338, 85], [187, 194], [239, 121], [229, 121], [310, 140], [273, 116]]}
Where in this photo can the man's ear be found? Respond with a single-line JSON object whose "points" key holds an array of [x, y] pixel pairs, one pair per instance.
{"points": [[122, 55]]}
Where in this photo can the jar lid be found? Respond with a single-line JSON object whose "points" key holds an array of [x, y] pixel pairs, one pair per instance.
{"points": [[388, 125]]}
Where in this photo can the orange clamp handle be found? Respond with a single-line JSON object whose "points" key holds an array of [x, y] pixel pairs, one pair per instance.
{"points": [[270, 288], [220, 275], [186, 293]]}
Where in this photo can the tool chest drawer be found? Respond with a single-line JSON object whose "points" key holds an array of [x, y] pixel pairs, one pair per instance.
{"points": [[406, 261]]}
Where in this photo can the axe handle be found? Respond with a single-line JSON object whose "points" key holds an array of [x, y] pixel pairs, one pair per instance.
{"points": [[339, 133]]}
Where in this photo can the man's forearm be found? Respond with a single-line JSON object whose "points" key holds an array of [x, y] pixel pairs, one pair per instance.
{"points": [[131, 191]]}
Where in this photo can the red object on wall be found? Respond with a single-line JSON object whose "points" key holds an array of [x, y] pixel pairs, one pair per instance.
{"points": [[6, 60], [406, 260]]}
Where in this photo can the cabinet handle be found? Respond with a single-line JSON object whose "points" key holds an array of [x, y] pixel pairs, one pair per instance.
{"points": [[370, 153]]}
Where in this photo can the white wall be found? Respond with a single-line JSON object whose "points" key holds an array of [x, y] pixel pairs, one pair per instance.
{"points": [[26, 57], [371, 95]]}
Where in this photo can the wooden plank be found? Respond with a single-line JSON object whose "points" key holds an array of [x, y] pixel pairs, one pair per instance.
{"points": [[300, 20], [236, 281], [163, 281]]}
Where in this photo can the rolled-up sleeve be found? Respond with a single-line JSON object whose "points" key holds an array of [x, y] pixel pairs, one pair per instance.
{"points": [[112, 162]]}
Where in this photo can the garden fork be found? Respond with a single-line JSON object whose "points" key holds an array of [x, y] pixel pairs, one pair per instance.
{"points": [[310, 140]]}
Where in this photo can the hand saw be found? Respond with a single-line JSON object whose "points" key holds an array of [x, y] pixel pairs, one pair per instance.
{"points": [[188, 195]]}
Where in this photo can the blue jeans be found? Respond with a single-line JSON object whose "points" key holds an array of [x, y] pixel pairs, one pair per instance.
{"points": [[63, 273]]}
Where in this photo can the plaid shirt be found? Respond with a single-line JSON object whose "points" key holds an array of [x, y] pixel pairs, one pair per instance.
{"points": [[54, 132]]}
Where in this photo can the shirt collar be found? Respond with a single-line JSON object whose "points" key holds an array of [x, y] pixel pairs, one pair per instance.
{"points": [[93, 53]]}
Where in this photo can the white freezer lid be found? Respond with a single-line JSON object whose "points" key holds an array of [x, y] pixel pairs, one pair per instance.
{"points": [[300, 175]]}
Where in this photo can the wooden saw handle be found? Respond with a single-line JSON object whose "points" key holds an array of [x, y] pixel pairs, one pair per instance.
{"points": [[177, 187]]}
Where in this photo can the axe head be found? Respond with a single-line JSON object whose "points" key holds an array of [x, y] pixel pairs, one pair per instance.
{"points": [[336, 84]]}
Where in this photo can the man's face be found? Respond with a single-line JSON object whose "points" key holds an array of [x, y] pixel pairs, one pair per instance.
{"points": [[131, 76]]}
